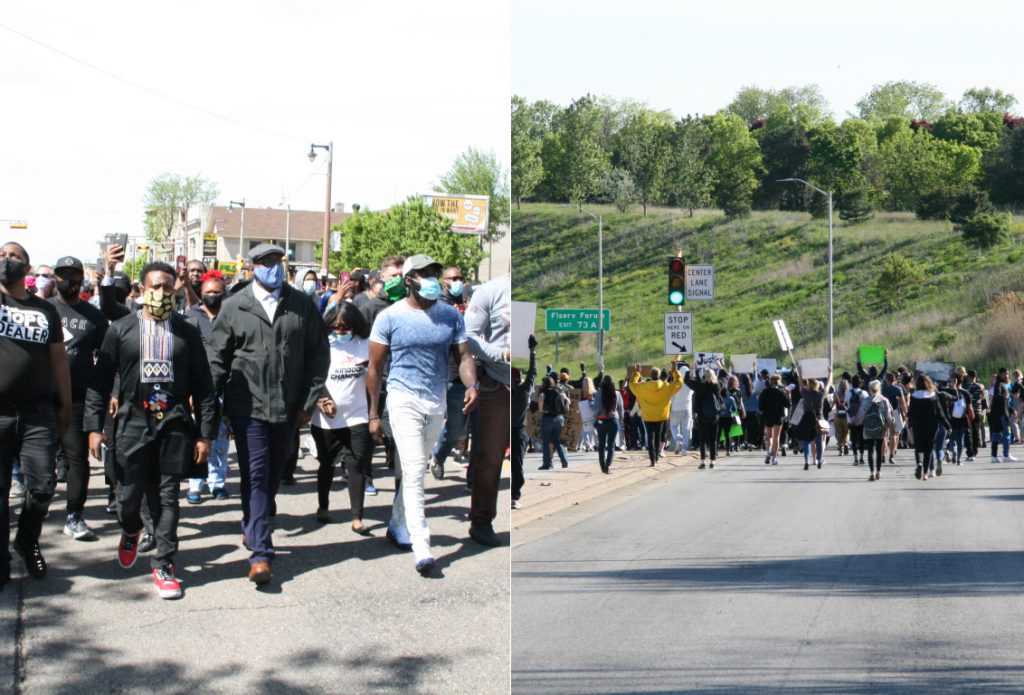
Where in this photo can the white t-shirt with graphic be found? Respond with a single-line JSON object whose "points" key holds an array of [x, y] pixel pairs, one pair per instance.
{"points": [[346, 383]]}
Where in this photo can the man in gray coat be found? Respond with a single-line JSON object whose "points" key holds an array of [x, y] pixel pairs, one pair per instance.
{"points": [[269, 355]]}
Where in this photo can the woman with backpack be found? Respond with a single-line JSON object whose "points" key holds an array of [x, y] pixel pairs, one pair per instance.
{"points": [[840, 416], [707, 404], [876, 418], [609, 413], [732, 406], [808, 427], [553, 407], [959, 406], [856, 406], [773, 404], [925, 415]]}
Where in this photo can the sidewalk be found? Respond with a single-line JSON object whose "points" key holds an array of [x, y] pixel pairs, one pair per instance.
{"points": [[584, 487]]}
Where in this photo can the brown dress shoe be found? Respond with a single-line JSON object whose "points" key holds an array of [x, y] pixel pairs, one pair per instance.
{"points": [[259, 573]]}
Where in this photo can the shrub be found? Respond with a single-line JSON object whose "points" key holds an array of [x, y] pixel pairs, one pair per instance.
{"points": [[897, 280], [985, 230]]}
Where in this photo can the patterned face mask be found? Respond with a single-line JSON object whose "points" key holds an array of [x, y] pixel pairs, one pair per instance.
{"points": [[159, 303]]}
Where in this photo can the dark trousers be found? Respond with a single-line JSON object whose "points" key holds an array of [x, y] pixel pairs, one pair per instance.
{"points": [[752, 430], [874, 447], [857, 441], [292, 462], [28, 432], [262, 452], [352, 447], [639, 438], [135, 499], [607, 431], [73, 457], [725, 427], [975, 443], [489, 443], [653, 431], [518, 450], [708, 436]]}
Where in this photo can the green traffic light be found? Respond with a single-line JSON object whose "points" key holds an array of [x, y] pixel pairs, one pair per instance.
{"points": [[675, 297]]}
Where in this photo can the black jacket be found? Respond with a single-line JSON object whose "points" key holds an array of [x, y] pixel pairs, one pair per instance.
{"points": [[269, 371], [521, 394], [119, 357]]}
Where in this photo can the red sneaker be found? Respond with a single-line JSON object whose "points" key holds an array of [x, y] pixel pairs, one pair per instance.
{"points": [[166, 583], [128, 549]]}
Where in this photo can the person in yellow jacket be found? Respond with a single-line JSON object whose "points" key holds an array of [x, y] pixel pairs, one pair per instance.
{"points": [[655, 399]]}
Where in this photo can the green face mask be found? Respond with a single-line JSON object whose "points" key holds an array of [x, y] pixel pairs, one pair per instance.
{"points": [[394, 288]]}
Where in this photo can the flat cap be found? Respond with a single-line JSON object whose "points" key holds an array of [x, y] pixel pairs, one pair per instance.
{"points": [[264, 249]]}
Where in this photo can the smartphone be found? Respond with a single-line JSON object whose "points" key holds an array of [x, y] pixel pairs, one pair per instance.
{"points": [[344, 277], [181, 263], [121, 240]]}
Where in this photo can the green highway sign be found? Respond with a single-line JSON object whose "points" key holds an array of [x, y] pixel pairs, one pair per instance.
{"points": [[575, 320]]}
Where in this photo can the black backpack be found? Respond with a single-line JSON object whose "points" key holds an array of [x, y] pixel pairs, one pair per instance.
{"points": [[712, 404], [554, 402]]}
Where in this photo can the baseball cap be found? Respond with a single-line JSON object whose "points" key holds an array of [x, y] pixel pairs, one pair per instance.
{"points": [[419, 262], [69, 262]]}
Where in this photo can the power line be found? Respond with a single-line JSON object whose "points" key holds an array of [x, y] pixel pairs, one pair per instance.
{"points": [[148, 89]]}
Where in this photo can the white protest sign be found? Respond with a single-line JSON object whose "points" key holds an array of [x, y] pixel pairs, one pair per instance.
{"points": [[700, 282], [938, 371], [524, 315], [707, 360], [679, 333], [814, 368], [783, 334], [768, 363], [744, 364]]}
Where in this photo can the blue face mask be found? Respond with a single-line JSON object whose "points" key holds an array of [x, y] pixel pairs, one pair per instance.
{"points": [[427, 288], [272, 277], [341, 339], [455, 289]]}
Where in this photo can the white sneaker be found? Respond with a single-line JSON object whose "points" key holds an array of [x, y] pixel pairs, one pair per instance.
{"points": [[970, 459], [77, 528], [17, 489], [1010, 457], [996, 459]]}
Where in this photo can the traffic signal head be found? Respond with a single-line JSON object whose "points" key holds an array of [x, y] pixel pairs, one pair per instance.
{"points": [[676, 282]]}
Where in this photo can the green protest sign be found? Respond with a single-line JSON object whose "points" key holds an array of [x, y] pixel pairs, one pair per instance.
{"points": [[872, 354]]}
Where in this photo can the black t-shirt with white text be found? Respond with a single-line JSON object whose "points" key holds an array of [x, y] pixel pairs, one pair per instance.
{"points": [[27, 329], [85, 326]]}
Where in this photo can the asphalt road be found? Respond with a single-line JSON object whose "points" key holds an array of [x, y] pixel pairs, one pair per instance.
{"points": [[345, 614], [758, 579]]}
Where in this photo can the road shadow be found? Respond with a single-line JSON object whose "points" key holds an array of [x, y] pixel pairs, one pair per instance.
{"points": [[941, 574]]}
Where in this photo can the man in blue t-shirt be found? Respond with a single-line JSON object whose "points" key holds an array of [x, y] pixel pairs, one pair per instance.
{"points": [[418, 333]]}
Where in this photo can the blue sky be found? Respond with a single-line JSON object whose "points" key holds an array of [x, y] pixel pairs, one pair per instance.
{"points": [[692, 57]]}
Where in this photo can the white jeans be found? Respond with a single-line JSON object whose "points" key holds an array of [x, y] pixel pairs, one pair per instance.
{"points": [[679, 425], [415, 434]]}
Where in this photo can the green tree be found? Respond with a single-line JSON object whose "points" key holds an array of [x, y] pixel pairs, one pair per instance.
{"points": [[897, 280], [913, 163], [689, 181], [981, 99], [835, 164], [734, 160], [405, 229], [985, 229], [791, 105], [527, 164], [584, 162], [980, 130], [1004, 168], [785, 151], [644, 150], [475, 172], [618, 188], [167, 199], [904, 98]]}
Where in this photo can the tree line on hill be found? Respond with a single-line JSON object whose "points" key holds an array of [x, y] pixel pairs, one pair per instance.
{"points": [[907, 148]]}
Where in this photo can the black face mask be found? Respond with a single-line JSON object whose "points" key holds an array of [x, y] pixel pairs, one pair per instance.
{"points": [[12, 270], [213, 301], [68, 288]]}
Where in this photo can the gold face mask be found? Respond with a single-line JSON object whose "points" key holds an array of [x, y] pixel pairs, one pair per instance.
{"points": [[159, 303]]}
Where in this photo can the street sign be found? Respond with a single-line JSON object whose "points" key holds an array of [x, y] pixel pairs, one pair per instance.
{"points": [[210, 245], [679, 333], [700, 282], [575, 320], [227, 267], [780, 330]]}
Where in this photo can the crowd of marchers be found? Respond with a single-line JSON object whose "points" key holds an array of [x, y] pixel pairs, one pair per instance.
{"points": [[155, 375]]}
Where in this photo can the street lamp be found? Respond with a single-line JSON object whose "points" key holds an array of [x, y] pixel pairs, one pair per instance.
{"points": [[241, 240], [327, 209], [600, 286], [828, 194]]}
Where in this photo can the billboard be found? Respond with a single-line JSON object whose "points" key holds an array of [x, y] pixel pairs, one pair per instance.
{"points": [[468, 213]]}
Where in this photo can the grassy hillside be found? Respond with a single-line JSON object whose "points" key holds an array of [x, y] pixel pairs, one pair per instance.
{"points": [[771, 265]]}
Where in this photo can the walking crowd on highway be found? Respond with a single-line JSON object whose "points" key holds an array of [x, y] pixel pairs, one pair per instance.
{"points": [[154, 375], [867, 414]]}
